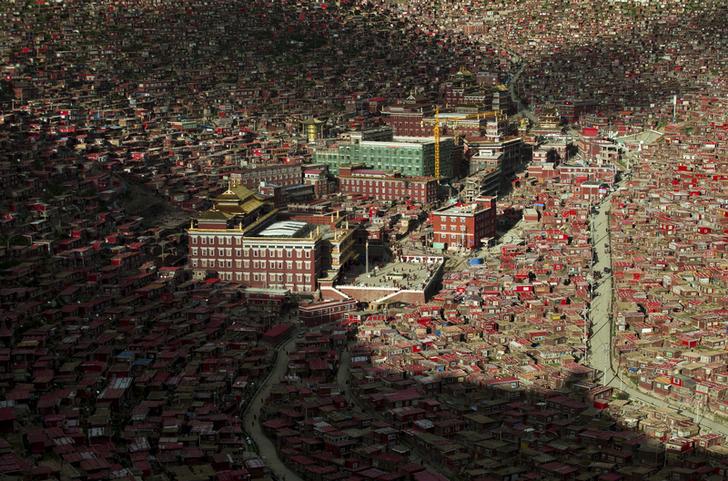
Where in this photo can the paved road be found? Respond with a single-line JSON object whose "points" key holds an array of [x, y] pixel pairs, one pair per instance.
{"points": [[342, 377], [512, 90], [600, 352], [251, 420]]}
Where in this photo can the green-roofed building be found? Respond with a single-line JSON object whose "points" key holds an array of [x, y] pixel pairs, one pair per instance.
{"points": [[410, 156]]}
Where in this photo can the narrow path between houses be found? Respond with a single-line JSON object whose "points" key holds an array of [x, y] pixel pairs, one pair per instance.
{"points": [[251, 419], [600, 354]]}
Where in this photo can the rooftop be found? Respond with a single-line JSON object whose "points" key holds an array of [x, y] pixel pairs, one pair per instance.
{"points": [[460, 209], [286, 228], [404, 141], [402, 275]]}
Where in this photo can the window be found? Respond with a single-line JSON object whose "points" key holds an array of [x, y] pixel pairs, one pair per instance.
{"points": [[255, 277], [246, 252], [289, 278], [193, 239], [238, 240], [246, 264], [289, 265], [228, 252], [238, 276], [238, 252], [299, 265], [204, 239], [308, 253], [204, 262], [289, 253], [308, 265], [194, 262], [246, 276], [220, 251], [194, 251], [203, 250], [238, 264], [255, 252], [228, 263]]}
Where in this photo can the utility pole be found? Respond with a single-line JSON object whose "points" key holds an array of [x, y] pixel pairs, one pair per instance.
{"points": [[366, 254]]}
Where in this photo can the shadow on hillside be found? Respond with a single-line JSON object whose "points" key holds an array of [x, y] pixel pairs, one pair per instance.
{"points": [[428, 418], [202, 50], [636, 68]]}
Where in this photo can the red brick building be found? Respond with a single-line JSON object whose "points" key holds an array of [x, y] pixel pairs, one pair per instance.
{"points": [[406, 118], [316, 313], [591, 190], [242, 240], [575, 174], [464, 225], [318, 177], [278, 174], [385, 186]]}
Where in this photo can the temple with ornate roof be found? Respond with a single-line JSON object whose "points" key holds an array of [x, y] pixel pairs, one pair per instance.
{"points": [[244, 239], [237, 207]]}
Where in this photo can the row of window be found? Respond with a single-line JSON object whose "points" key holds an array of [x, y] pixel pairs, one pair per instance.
{"points": [[228, 251], [247, 251], [377, 190], [221, 251], [215, 239], [395, 156], [442, 236], [331, 310], [453, 227], [279, 265], [221, 263], [289, 252], [276, 278], [270, 175], [246, 277], [388, 183], [453, 219], [239, 264]]}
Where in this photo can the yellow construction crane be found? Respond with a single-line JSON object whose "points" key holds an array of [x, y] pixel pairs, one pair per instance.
{"points": [[436, 134]]}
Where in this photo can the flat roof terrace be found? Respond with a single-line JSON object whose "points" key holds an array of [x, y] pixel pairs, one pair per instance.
{"points": [[460, 209], [397, 275]]}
